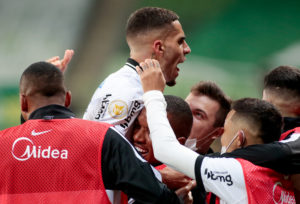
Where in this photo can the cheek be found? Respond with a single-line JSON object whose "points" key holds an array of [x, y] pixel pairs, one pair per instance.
{"points": [[200, 125], [147, 139], [172, 55]]}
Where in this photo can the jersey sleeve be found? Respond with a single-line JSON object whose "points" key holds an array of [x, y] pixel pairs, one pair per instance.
{"points": [[116, 101], [223, 177], [125, 170]]}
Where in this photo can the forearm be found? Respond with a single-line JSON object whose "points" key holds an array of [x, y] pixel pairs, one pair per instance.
{"points": [[165, 145]]}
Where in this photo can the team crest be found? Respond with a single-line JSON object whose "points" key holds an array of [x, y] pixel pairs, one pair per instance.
{"points": [[118, 109]]}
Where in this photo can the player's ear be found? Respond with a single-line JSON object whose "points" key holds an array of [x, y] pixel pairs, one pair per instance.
{"points": [[158, 47], [24, 103], [242, 138], [181, 140], [68, 99], [219, 132]]}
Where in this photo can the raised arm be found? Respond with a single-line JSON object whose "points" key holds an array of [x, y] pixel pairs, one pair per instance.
{"points": [[165, 145]]}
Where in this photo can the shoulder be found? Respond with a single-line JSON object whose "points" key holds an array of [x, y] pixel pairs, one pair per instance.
{"points": [[125, 75], [123, 84]]}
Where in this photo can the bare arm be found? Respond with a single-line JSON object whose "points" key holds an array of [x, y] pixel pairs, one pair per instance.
{"points": [[174, 179]]}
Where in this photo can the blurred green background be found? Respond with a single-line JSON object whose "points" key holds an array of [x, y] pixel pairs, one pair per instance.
{"points": [[234, 43]]}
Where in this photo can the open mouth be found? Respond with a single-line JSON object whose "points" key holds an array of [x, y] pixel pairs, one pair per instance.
{"points": [[141, 150]]}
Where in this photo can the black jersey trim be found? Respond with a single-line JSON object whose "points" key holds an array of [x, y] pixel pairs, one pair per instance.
{"points": [[197, 170], [132, 64]]}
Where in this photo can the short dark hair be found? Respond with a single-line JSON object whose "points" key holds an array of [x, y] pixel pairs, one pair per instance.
{"points": [[181, 119], [149, 18], [213, 91], [283, 79], [262, 114], [42, 78]]}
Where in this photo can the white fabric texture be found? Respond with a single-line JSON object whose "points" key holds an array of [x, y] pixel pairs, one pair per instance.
{"points": [[117, 100], [224, 177]]}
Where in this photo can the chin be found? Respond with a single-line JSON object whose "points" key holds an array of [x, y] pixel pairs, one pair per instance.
{"points": [[171, 83]]}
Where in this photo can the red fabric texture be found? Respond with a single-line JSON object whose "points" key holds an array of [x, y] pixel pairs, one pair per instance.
{"points": [[266, 186], [52, 161], [160, 167], [285, 134]]}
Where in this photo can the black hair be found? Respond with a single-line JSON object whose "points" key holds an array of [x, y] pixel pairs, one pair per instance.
{"points": [[181, 118], [42, 78], [283, 78], [262, 114], [149, 18]]}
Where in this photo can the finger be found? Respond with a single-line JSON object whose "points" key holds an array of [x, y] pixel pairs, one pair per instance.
{"points": [[67, 58], [139, 70], [190, 197], [157, 65], [52, 59], [149, 62], [144, 66], [193, 184], [189, 187], [57, 64]]}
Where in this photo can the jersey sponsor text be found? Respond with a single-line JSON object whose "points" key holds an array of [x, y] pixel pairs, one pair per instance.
{"points": [[220, 176], [35, 152], [134, 109], [103, 107]]}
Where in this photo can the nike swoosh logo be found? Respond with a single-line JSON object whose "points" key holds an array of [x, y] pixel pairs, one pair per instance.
{"points": [[34, 133]]}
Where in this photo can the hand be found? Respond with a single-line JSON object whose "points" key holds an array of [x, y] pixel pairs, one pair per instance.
{"points": [[62, 64], [151, 75], [185, 193], [174, 179]]}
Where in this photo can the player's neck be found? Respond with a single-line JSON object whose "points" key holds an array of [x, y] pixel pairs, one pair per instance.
{"points": [[140, 56]]}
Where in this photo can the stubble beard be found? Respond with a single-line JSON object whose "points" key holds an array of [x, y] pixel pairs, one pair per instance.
{"points": [[171, 83]]}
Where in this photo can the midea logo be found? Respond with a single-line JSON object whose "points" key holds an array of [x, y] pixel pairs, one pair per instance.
{"points": [[37, 152], [280, 196]]}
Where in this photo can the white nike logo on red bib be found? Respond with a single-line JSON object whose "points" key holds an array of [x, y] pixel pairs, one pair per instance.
{"points": [[34, 133]]}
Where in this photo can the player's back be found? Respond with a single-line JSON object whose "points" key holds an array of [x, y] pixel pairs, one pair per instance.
{"points": [[53, 160]]}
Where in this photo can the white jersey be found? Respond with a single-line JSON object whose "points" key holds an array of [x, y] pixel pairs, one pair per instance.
{"points": [[118, 99], [225, 178]]}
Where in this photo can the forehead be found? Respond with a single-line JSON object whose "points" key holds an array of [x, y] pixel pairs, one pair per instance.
{"points": [[142, 118], [176, 32], [205, 103], [267, 96]]}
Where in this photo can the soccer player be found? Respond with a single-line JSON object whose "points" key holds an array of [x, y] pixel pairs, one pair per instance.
{"points": [[209, 106], [150, 33], [56, 158], [281, 88], [181, 120]]}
